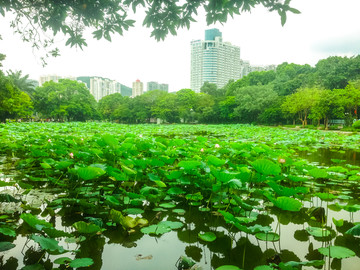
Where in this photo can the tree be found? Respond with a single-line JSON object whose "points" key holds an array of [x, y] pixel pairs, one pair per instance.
{"points": [[13, 102], [106, 17], [185, 101], [328, 106], [109, 106], [335, 72], [166, 108], [65, 100], [301, 103], [204, 107], [252, 100], [22, 82]]}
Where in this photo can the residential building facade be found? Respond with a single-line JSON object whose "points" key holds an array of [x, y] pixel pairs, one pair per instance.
{"points": [[214, 61], [157, 86], [137, 88], [100, 87]]}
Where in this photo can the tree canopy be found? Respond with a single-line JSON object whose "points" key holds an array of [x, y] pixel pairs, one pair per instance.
{"points": [[107, 17]]}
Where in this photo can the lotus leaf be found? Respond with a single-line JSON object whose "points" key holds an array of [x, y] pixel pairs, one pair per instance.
{"points": [[90, 173], [6, 246], [289, 204], [266, 167], [271, 237], [264, 267], [189, 164], [318, 173], [34, 222], [7, 231], [133, 211], [336, 252], [88, 228], [48, 244], [62, 260], [318, 232], [228, 267], [354, 230], [36, 266], [217, 162], [167, 205], [208, 236], [83, 262]]}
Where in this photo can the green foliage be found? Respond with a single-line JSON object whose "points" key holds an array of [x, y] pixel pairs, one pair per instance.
{"points": [[105, 18], [336, 252], [48, 244], [65, 100], [208, 236], [81, 262], [356, 124]]}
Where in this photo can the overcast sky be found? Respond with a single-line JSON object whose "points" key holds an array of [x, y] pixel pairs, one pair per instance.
{"points": [[324, 28]]}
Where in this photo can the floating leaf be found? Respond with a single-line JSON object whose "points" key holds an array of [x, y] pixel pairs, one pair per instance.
{"points": [[179, 211], [167, 205], [228, 267], [156, 229], [264, 267], [62, 260], [271, 237], [318, 173], [133, 211], [208, 236], [336, 252], [318, 232], [83, 262]]}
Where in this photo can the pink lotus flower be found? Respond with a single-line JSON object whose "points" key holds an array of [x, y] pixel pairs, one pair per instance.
{"points": [[49, 140], [282, 160], [202, 150], [217, 145], [71, 155], [82, 139]]}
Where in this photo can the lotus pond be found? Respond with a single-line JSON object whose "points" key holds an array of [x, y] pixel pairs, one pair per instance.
{"points": [[110, 196]]}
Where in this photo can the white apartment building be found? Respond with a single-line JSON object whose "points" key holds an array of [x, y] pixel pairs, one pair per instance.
{"points": [[137, 88], [214, 61]]}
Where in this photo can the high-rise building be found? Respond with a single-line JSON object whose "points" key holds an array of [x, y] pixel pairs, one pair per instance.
{"points": [[54, 78], [137, 88], [100, 87], [213, 60], [157, 86]]}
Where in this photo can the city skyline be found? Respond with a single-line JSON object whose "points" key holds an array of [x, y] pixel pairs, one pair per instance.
{"points": [[323, 29]]}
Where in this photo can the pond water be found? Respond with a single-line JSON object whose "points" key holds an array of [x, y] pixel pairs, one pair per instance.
{"points": [[118, 249]]}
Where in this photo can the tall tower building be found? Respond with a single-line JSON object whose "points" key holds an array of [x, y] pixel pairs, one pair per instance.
{"points": [[213, 60], [137, 88]]}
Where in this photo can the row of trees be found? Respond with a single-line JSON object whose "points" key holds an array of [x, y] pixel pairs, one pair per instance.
{"points": [[293, 93]]}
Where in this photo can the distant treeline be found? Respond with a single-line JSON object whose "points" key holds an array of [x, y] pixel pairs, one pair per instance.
{"points": [[293, 94]]}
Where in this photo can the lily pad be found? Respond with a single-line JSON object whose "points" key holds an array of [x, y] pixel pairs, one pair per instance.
{"points": [[208, 236], [337, 252], [271, 236], [228, 267], [318, 232], [83, 262]]}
